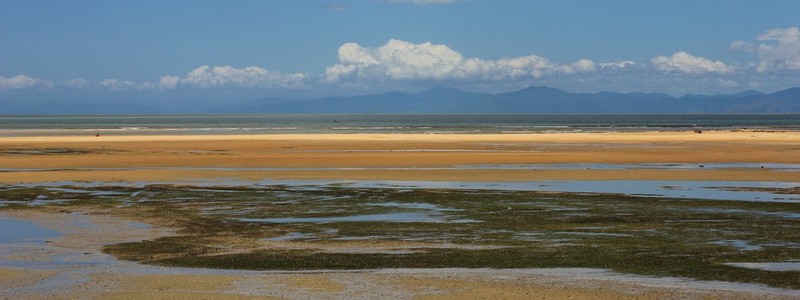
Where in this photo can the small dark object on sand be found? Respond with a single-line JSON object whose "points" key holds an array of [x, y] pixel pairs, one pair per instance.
{"points": [[698, 131]]}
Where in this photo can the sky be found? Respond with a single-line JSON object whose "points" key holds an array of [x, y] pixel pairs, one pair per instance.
{"points": [[299, 49]]}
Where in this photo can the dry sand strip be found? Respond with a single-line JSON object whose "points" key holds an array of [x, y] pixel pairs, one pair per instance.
{"points": [[166, 158], [99, 276], [233, 177]]}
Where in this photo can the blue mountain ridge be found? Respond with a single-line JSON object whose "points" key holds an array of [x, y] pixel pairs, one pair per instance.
{"points": [[533, 99]]}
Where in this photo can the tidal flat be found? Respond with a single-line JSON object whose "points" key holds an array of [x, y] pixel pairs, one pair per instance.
{"points": [[608, 215], [349, 228]]}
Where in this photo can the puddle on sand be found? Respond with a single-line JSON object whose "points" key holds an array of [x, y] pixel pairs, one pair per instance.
{"points": [[594, 234], [20, 231], [291, 236], [649, 188], [787, 215], [712, 190], [405, 217], [769, 266], [359, 238], [78, 191], [415, 205], [738, 244]]}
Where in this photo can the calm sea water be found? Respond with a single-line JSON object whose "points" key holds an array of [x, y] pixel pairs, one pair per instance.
{"points": [[490, 123]]}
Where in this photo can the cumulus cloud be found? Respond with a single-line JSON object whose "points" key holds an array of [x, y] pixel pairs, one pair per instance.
{"points": [[584, 65], [405, 61], [689, 64], [19, 82], [617, 65], [227, 76], [251, 77], [743, 46], [169, 82], [780, 50], [120, 85]]}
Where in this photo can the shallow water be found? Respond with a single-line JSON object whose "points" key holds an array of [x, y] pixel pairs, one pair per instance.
{"points": [[403, 217], [13, 230], [769, 266], [709, 190], [382, 123], [291, 236], [788, 215], [713, 190], [738, 244], [417, 205]]}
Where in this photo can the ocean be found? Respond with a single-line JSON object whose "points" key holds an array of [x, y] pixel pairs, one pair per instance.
{"points": [[32, 125]]}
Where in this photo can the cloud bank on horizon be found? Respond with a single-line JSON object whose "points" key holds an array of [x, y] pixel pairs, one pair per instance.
{"points": [[774, 53]]}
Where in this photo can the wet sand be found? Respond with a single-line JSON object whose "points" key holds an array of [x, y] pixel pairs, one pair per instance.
{"points": [[93, 275], [168, 158], [409, 156]]}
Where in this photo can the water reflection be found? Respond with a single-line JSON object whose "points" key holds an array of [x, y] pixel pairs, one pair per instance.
{"points": [[20, 231], [405, 217]]}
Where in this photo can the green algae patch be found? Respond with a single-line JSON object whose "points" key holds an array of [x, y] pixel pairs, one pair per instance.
{"points": [[315, 228]]}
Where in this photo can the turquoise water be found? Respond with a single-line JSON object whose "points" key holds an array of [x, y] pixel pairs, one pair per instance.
{"points": [[375, 123]]}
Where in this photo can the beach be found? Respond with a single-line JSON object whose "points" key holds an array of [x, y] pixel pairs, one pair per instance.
{"points": [[139, 160], [399, 149], [83, 272], [395, 156]]}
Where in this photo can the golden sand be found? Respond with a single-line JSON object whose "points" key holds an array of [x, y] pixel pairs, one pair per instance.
{"points": [[395, 156], [374, 157]]}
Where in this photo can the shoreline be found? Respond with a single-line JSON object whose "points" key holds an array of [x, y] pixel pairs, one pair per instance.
{"points": [[109, 159], [86, 231], [607, 136], [179, 176]]}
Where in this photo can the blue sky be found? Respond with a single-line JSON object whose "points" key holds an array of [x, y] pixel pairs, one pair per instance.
{"points": [[315, 48]]}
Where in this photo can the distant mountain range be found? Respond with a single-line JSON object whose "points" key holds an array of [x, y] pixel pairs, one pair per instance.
{"points": [[448, 100], [529, 100]]}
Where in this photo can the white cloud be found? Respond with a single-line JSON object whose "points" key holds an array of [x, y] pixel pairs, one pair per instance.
{"points": [[689, 64], [227, 76], [215, 77], [531, 66], [782, 50], [19, 82], [169, 82], [405, 61], [743, 46], [584, 65], [120, 85], [617, 65]]}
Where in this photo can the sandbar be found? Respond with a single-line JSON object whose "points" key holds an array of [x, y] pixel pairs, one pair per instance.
{"points": [[395, 156]]}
